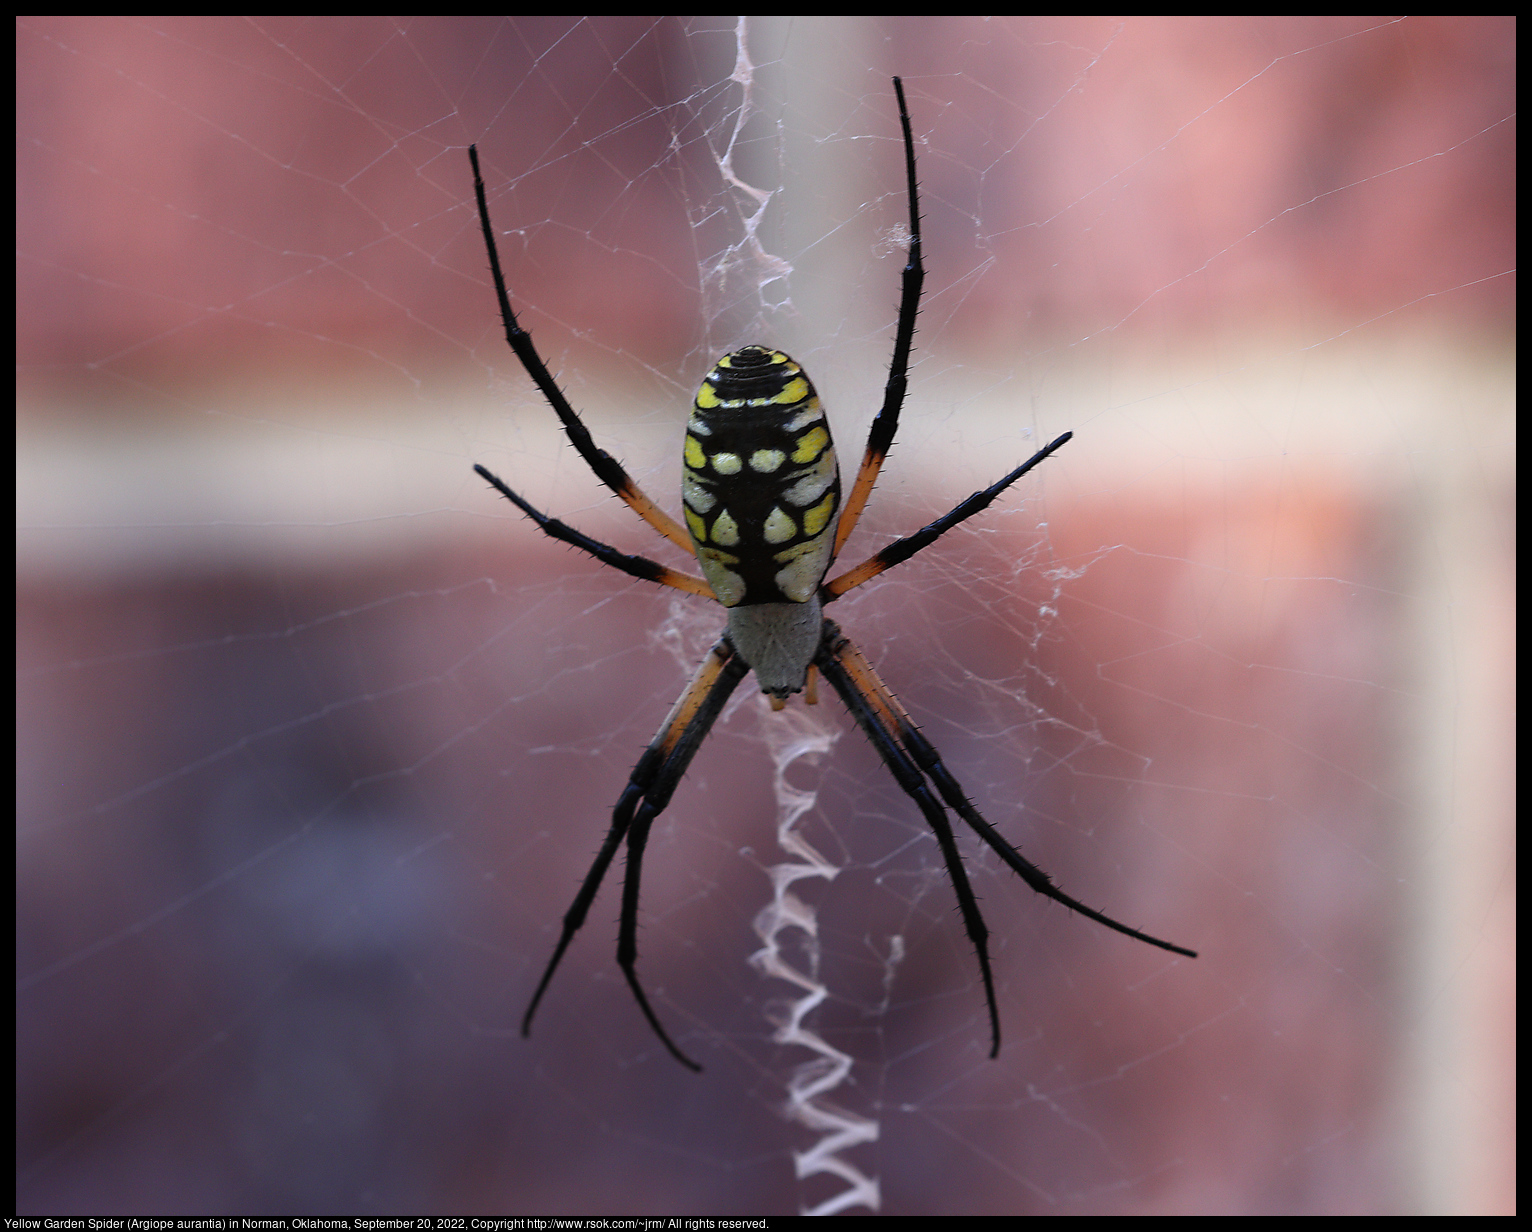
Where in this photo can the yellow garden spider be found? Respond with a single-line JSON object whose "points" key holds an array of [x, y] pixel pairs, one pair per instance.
{"points": [[761, 496]]}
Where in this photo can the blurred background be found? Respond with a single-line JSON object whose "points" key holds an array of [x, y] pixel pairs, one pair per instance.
{"points": [[317, 735]]}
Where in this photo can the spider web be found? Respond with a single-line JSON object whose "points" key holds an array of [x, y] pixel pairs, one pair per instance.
{"points": [[317, 736]]}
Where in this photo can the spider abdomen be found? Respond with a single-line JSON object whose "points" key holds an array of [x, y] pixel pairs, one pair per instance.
{"points": [[760, 485]]}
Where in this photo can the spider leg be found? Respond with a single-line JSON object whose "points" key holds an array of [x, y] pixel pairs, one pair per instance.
{"points": [[902, 549], [634, 566], [607, 468], [864, 695], [627, 931], [881, 436], [893, 716], [622, 819], [648, 792]]}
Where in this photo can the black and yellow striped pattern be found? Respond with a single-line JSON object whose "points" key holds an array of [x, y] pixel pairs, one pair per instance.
{"points": [[761, 486]]}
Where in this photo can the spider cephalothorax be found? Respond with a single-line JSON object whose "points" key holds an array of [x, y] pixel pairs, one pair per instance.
{"points": [[762, 500]]}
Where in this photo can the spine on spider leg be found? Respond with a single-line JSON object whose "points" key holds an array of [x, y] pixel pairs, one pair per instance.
{"points": [[607, 469], [634, 566], [519, 339], [930, 764], [878, 714], [903, 548], [881, 437]]}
